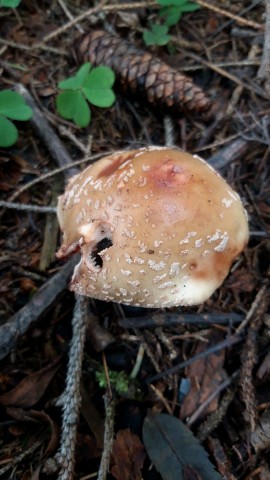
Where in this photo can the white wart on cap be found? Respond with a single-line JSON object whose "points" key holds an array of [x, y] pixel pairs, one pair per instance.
{"points": [[156, 227]]}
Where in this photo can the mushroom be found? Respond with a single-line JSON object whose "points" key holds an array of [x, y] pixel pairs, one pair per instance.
{"points": [[156, 227]]}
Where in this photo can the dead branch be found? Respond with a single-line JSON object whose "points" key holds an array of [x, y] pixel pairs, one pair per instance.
{"points": [[264, 70], [56, 148], [108, 436], [45, 297], [228, 342], [170, 319]]}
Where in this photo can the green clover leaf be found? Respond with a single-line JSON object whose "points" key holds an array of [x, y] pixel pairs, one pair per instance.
{"points": [[97, 87], [72, 106], [158, 35], [190, 7], [76, 82], [94, 85], [172, 10], [8, 133], [171, 15], [9, 3], [174, 3], [12, 106]]}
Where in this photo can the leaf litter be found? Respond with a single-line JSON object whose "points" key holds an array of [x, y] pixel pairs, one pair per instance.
{"points": [[132, 122]]}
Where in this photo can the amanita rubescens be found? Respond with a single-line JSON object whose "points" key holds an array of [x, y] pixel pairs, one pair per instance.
{"points": [[156, 227]]}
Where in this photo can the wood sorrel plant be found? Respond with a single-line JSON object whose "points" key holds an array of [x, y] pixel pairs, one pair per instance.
{"points": [[89, 85]]}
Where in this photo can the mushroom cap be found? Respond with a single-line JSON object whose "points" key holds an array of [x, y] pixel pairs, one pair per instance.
{"points": [[156, 227]]}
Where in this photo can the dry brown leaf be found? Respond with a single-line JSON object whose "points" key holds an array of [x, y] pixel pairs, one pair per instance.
{"points": [[127, 19], [128, 454], [263, 371], [29, 391], [260, 438], [37, 417], [242, 281], [205, 375], [222, 460]]}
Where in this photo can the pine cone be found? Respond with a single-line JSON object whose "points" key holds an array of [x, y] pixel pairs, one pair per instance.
{"points": [[141, 72]]}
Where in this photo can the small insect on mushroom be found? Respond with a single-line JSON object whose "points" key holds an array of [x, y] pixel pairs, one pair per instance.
{"points": [[156, 227]]}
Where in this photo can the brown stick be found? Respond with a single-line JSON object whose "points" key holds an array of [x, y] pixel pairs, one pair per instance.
{"points": [[229, 154], [18, 324], [228, 342], [56, 148], [170, 319], [264, 70]]}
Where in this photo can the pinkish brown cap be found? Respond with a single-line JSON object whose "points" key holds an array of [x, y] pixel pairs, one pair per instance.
{"points": [[156, 227]]}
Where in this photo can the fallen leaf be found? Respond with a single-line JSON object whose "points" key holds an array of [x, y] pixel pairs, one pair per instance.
{"points": [[242, 280], [260, 438], [128, 454], [87, 448], [29, 391], [205, 375], [174, 450], [263, 371], [222, 459], [127, 19], [36, 416], [35, 474]]}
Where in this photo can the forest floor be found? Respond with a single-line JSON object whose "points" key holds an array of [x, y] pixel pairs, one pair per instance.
{"points": [[223, 396]]}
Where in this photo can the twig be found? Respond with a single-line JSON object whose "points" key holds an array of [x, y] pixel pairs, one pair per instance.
{"points": [[18, 324], [169, 319], [70, 400], [99, 8], [30, 49], [241, 13], [147, 350], [107, 376], [250, 87], [56, 148], [264, 70], [239, 89], [229, 154], [51, 230], [27, 207], [169, 133], [108, 437], [209, 399], [214, 419], [248, 360], [229, 342], [231, 138], [161, 397], [69, 15], [19, 458], [138, 363], [257, 302], [86, 150], [249, 357], [239, 64], [54, 172], [226, 13]]}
